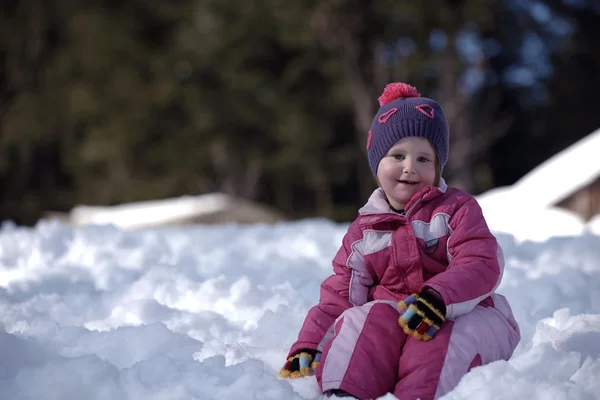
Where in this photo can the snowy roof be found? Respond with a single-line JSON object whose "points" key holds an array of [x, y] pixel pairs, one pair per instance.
{"points": [[524, 208], [562, 174], [205, 208], [150, 213]]}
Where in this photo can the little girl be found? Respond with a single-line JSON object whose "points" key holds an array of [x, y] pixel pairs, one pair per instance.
{"points": [[411, 307]]}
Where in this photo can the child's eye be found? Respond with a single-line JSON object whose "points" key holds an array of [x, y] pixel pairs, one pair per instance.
{"points": [[398, 156], [423, 159]]}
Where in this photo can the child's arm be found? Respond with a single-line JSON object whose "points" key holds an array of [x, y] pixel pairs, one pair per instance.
{"points": [[348, 286], [476, 265]]}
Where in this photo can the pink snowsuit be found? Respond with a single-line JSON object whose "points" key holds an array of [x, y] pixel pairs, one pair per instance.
{"points": [[442, 242]]}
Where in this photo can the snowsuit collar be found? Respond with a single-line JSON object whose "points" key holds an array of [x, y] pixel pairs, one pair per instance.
{"points": [[377, 209]]}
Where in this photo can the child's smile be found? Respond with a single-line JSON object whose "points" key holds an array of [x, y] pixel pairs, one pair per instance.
{"points": [[409, 166]]}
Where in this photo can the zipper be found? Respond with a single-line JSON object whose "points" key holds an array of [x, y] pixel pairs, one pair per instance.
{"points": [[411, 209]]}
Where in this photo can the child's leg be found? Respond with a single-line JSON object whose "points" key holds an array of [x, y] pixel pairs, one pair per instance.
{"points": [[431, 369], [362, 357]]}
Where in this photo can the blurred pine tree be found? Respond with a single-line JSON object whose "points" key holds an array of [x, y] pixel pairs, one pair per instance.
{"points": [[270, 100]]}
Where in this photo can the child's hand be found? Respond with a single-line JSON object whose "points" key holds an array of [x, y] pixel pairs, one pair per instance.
{"points": [[423, 314], [300, 364]]}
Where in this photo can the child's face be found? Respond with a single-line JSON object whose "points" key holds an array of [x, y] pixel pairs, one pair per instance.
{"points": [[408, 166]]}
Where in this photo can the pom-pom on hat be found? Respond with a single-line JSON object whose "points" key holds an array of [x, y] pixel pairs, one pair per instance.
{"points": [[403, 112]]}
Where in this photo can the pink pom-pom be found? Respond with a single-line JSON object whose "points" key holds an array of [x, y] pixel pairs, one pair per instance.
{"points": [[396, 90]]}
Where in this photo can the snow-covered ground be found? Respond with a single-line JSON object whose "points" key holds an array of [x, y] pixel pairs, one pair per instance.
{"points": [[209, 312], [102, 312]]}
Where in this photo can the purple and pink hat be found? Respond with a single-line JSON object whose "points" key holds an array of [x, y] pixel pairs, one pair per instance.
{"points": [[403, 112]]}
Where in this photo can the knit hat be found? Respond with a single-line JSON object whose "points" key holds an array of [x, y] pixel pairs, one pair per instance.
{"points": [[403, 113]]}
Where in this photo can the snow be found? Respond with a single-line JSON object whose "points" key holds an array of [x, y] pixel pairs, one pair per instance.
{"points": [[593, 224], [209, 312], [150, 213], [100, 310], [526, 209], [562, 174], [525, 221]]}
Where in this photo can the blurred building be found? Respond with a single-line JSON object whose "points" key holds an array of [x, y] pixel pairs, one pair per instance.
{"points": [[570, 179]]}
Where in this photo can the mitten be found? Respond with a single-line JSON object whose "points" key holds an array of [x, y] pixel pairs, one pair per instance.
{"points": [[300, 364], [424, 313]]}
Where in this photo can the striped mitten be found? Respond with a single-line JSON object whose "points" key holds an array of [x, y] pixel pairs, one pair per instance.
{"points": [[423, 314], [300, 364]]}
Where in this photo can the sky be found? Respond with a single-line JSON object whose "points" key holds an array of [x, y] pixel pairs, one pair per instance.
{"points": [[106, 311]]}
